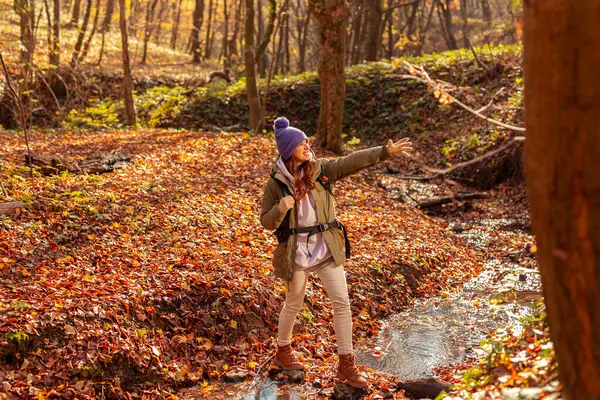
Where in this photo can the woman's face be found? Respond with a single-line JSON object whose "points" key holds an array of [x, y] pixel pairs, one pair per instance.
{"points": [[302, 152]]}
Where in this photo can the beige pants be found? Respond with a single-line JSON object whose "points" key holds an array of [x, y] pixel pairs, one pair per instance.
{"points": [[334, 279]]}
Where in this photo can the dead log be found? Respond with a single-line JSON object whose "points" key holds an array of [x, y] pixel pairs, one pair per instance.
{"points": [[449, 199], [423, 388], [12, 207], [97, 164]]}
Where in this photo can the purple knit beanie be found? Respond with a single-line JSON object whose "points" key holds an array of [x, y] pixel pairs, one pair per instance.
{"points": [[287, 137]]}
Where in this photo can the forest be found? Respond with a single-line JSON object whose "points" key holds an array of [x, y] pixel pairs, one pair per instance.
{"points": [[150, 150]]}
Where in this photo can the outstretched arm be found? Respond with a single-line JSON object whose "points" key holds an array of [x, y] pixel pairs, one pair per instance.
{"points": [[339, 168]]}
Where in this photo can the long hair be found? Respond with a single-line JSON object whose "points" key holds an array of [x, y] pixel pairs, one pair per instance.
{"points": [[303, 182]]}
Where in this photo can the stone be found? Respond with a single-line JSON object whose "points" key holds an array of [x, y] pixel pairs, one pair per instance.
{"points": [[341, 391]]}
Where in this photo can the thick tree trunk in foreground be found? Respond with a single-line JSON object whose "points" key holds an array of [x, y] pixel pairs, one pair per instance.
{"points": [[250, 64], [127, 79], [562, 160], [333, 19]]}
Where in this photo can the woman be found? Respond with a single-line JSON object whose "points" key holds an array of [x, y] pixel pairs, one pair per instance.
{"points": [[297, 197]]}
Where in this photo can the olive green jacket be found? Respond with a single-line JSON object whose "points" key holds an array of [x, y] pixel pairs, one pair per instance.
{"points": [[334, 169]]}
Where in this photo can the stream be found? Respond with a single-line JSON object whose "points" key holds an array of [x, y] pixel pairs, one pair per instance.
{"points": [[443, 330]]}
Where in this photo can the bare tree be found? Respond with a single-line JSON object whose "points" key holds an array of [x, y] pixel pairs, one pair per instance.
{"points": [[130, 119], [562, 165], [110, 9]]}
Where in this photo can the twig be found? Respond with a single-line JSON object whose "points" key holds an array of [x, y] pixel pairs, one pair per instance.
{"points": [[426, 79], [482, 109], [21, 114]]}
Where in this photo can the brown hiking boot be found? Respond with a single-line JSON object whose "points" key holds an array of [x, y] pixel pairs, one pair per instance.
{"points": [[347, 370], [285, 359]]}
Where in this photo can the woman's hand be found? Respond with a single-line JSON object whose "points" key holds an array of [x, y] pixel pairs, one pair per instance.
{"points": [[286, 203], [402, 146]]}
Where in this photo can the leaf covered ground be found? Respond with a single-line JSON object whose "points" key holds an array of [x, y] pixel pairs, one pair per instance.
{"points": [[158, 276]]}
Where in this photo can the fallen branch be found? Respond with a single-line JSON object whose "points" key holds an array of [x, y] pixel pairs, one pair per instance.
{"points": [[449, 199], [12, 207], [425, 78], [91, 165]]}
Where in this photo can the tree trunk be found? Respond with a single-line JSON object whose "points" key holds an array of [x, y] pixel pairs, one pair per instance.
{"points": [[86, 19], [562, 165], [333, 19], [76, 12], [195, 35], [176, 18], [86, 46], [147, 30], [303, 41], [373, 30], [411, 26], [55, 49], [236, 30], [130, 119], [110, 9], [250, 64], [164, 5], [391, 37], [356, 29], [266, 38], [25, 9], [486, 10], [207, 42], [224, 44], [445, 6]]}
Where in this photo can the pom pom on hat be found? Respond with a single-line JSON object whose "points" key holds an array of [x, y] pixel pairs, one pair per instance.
{"points": [[287, 137], [281, 123]]}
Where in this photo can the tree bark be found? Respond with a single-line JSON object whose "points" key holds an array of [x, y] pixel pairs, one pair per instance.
{"points": [[333, 19], [130, 119], [250, 64], [82, 30], [176, 18], [197, 20], [562, 165], [373, 30]]}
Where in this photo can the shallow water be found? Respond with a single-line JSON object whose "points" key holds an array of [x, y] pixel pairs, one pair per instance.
{"points": [[444, 330]]}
